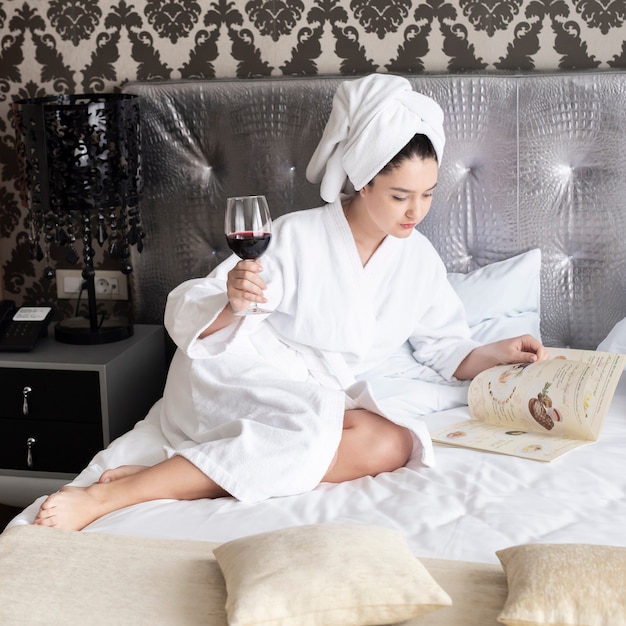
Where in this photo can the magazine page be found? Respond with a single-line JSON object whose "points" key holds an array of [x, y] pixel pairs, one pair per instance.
{"points": [[540, 410], [531, 445], [606, 370]]}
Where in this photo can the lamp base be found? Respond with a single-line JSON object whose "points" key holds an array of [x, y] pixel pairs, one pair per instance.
{"points": [[77, 330]]}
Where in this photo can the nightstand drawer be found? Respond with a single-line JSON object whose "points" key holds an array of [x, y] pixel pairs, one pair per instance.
{"points": [[46, 446], [43, 394]]}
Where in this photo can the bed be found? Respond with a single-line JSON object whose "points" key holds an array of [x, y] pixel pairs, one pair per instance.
{"points": [[529, 217]]}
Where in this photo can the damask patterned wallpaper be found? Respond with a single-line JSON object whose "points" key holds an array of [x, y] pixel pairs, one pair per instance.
{"points": [[83, 46]]}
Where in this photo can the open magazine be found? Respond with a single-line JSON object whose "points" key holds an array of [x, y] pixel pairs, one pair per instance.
{"points": [[539, 410]]}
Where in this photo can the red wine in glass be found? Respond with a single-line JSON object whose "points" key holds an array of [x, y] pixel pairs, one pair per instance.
{"points": [[248, 244], [248, 228]]}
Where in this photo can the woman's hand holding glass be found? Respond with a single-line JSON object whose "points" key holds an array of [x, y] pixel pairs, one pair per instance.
{"points": [[248, 227], [245, 286]]}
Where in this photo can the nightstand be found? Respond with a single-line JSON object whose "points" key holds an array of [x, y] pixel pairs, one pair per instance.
{"points": [[62, 403]]}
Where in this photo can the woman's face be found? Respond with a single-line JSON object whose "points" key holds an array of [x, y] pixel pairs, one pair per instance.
{"points": [[400, 199]]}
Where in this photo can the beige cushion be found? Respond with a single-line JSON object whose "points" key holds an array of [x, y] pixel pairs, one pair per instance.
{"points": [[564, 585], [52, 577], [327, 575]]}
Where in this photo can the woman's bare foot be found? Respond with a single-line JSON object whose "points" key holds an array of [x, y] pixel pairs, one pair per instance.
{"points": [[72, 508], [120, 472]]}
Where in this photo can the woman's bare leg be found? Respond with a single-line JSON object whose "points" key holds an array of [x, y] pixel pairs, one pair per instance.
{"points": [[73, 508], [370, 445]]}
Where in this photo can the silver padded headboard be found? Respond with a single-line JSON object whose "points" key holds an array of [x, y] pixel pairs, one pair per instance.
{"points": [[531, 160]]}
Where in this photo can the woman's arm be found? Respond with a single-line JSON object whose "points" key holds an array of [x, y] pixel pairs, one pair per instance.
{"points": [[523, 349]]}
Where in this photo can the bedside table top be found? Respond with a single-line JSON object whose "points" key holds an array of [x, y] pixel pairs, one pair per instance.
{"points": [[50, 352]]}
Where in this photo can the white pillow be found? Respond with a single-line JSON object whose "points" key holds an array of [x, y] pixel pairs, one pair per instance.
{"points": [[502, 299], [325, 575]]}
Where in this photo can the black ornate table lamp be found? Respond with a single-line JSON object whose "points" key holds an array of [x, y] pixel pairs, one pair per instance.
{"points": [[80, 181]]}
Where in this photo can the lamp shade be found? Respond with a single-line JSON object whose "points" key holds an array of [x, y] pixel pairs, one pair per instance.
{"points": [[80, 177]]}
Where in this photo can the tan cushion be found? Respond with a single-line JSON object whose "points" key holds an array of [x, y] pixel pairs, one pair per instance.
{"points": [[51, 577], [564, 585], [326, 575]]}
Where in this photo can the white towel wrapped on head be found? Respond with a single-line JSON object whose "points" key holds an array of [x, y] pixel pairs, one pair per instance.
{"points": [[371, 120]]}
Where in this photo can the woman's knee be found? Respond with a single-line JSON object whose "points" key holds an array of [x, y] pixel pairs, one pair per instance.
{"points": [[393, 448], [385, 446]]}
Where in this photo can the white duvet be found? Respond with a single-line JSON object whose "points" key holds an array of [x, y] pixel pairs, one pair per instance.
{"points": [[466, 507]]}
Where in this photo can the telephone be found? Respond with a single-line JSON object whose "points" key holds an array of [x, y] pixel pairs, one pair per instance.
{"points": [[21, 328]]}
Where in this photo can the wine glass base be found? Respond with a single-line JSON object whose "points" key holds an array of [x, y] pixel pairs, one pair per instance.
{"points": [[252, 311]]}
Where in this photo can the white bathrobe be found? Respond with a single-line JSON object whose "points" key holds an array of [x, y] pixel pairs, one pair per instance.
{"points": [[259, 406]]}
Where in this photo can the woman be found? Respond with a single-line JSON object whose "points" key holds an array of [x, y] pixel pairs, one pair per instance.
{"points": [[259, 407]]}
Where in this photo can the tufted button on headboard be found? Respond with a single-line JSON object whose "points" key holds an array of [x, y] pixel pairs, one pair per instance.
{"points": [[531, 161]]}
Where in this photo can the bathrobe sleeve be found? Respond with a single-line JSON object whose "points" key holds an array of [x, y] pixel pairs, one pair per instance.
{"points": [[194, 304], [441, 338]]}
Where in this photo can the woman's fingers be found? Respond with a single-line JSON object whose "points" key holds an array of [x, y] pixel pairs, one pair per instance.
{"points": [[245, 285]]}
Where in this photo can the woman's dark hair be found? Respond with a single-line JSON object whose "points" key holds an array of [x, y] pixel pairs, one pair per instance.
{"points": [[419, 146]]}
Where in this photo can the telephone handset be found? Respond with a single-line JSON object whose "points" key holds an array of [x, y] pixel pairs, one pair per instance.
{"points": [[21, 328]]}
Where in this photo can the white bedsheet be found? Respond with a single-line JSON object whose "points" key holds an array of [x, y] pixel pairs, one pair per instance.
{"points": [[466, 507]]}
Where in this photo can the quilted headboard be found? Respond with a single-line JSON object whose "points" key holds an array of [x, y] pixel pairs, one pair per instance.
{"points": [[531, 160]]}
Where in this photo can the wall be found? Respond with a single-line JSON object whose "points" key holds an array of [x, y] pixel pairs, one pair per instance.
{"points": [[66, 46]]}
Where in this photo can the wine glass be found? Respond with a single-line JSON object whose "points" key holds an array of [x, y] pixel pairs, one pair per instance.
{"points": [[248, 228]]}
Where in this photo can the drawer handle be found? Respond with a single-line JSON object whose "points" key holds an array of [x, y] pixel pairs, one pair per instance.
{"points": [[26, 393], [30, 442]]}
